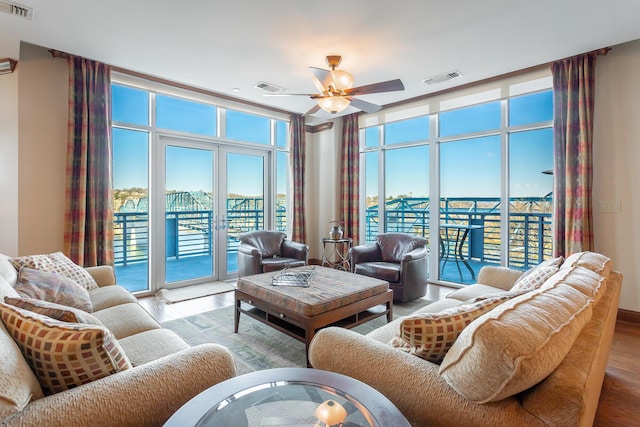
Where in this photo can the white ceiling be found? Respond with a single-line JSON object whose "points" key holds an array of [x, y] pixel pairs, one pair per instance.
{"points": [[220, 46]]}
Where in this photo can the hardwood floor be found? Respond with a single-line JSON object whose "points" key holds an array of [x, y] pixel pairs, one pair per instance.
{"points": [[620, 398]]}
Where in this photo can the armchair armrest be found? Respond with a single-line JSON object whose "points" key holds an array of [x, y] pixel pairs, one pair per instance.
{"points": [[416, 254], [247, 249], [146, 395], [104, 275], [295, 250], [365, 253], [499, 277]]}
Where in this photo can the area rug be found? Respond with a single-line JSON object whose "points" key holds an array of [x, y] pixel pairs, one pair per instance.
{"points": [[169, 296], [257, 346]]}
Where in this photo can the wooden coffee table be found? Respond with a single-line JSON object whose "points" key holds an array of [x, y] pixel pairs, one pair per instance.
{"points": [[333, 298], [288, 396]]}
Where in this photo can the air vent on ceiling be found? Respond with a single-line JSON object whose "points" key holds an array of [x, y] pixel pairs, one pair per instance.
{"points": [[16, 9], [269, 87], [443, 77]]}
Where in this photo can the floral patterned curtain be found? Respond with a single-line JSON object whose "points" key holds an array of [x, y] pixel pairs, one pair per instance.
{"points": [[573, 87], [298, 156], [88, 228], [350, 177]]}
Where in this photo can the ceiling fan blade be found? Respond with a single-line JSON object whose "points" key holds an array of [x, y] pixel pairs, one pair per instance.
{"points": [[290, 94], [314, 110], [321, 78], [388, 86], [365, 106]]}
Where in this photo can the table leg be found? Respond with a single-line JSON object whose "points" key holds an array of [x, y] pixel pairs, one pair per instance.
{"points": [[236, 319], [464, 261]]}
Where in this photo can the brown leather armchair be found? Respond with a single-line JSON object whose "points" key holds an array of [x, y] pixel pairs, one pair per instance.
{"points": [[262, 251], [400, 259]]}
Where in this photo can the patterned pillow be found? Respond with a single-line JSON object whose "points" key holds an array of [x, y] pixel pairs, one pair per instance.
{"points": [[53, 310], [63, 355], [431, 335], [52, 287], [534, 279], [57, 263]]}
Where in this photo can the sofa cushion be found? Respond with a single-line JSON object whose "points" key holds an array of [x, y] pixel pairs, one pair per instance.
{"points": [[7, 270], [430, 336], [18, 383], [582, 279], [151, 345], [126, 319], [517, 344], [63, 355], [53, 287], [110, 296], [6, 290], [56, 263], [477, 291], [594, 261], [53, 310], [379, 270]]}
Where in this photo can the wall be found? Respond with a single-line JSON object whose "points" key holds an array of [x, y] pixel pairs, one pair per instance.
{"points": [[616, 152], [9, 184], [42, 122], [322, 196]]}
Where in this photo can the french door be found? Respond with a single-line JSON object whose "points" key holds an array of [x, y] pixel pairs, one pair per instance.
{"points": [[206, 195]]}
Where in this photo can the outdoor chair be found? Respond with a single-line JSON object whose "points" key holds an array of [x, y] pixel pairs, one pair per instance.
{"points": [[262, 251], [400, 259]]}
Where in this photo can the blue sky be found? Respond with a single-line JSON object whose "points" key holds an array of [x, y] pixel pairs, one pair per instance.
{"points": [[469, 167]]}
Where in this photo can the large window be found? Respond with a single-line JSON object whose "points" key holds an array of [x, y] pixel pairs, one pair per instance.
{"points": [[478, 169], [184, 160]]}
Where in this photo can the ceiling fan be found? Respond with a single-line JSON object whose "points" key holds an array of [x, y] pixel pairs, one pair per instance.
{"points": [[337, 91]]}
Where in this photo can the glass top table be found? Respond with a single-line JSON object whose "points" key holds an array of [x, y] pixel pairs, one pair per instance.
{"points": [[289, 397]]}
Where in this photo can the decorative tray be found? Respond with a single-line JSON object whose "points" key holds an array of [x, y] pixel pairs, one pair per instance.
{"points": [[300, 277]]}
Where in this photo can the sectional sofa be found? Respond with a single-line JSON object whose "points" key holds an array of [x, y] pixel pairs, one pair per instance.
{"points": [[165, 371], [537, 358]]}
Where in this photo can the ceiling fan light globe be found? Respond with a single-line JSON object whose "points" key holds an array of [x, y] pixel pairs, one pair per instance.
{"points": [[333, 104], [342, 80]]}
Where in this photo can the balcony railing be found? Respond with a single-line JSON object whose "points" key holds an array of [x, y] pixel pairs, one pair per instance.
{"points": [[190, 233], [529, 232]]}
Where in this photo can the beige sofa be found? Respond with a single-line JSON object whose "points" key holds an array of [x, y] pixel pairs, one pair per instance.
{"points": [[167, 371], [429, 394]]}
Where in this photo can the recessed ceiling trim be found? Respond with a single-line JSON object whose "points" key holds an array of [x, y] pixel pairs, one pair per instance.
{"points": [[16, 9]]}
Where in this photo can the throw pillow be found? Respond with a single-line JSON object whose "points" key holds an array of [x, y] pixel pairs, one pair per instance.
{"points": [[63, 355], [551, 262], [53, 287], [516, 345], [53, 310], [431, 335], [594, 261], [534, 279], [57, 263]]}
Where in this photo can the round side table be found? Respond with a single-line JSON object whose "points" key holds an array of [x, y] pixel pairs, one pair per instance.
{"points": [[336, 253], [289, 396]]}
